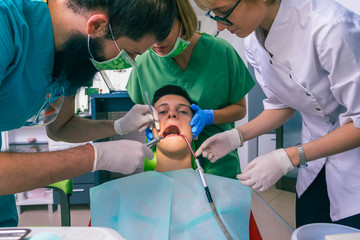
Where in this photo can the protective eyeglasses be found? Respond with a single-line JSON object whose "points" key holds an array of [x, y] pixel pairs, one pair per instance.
{"points": [[51, 107], [224, 20]]}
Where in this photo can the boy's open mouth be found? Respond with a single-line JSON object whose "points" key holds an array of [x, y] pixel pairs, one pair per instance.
{"points": [[171, 130]]}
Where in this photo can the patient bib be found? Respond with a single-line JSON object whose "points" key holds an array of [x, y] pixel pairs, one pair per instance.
{"points": [[171, 205]]}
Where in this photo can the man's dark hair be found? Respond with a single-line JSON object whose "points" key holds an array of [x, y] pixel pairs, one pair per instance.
{"points": [[171, 90], [133, 18]]}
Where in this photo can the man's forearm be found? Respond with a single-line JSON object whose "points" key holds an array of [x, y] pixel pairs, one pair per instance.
{"points": [[79, 129], [25, 171], [71, 128]]}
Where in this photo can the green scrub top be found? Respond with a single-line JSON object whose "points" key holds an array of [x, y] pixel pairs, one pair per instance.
{"points": [[26, 65], [214, 78]]}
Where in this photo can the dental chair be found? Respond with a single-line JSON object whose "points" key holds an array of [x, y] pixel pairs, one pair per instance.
{"points": [[64, 188]]}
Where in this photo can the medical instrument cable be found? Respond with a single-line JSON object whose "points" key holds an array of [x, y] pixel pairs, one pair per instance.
{"points": [[200, 170]]}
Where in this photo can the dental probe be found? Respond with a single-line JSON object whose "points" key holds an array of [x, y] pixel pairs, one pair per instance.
{"points": [[151, 111], [200, 170]]}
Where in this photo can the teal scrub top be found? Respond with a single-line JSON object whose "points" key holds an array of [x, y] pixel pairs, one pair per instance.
{"points": [[26, 65], [214, 78]]}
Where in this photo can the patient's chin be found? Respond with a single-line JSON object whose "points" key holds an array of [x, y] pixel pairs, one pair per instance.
{"points": [[173, 143], [172, 140]]}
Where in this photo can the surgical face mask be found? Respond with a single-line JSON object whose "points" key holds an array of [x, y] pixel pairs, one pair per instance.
{"points": [[121, 61], [178, 48]]}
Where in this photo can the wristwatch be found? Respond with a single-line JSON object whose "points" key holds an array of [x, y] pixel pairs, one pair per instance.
{"points": [[301, 155]]}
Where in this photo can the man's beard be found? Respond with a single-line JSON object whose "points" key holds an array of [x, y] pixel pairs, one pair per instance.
{"points": [[73, 68]]}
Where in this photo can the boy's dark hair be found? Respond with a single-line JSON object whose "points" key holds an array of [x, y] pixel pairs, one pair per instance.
{"points": [[171, 90], [133, 18]]}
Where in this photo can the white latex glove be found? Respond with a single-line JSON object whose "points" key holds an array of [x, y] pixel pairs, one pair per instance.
{"points": [[265, 170], [219, 145], [122, 156], [137, 119]]}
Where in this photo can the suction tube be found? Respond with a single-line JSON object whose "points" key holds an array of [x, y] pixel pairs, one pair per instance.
{"points": [[207, 191]]}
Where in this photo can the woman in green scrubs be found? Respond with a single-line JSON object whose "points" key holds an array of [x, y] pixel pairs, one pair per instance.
{"points": [[209, 69]]}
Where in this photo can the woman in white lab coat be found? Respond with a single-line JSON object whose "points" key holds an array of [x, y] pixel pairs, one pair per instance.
{"points": [[306, 57]]}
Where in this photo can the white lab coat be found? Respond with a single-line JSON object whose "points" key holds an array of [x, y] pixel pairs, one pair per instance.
{"points": [[310, 61]]}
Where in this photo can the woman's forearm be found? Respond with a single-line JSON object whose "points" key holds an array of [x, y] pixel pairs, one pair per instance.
{"points": [[265, 122], [340, 140], [230, 113]]}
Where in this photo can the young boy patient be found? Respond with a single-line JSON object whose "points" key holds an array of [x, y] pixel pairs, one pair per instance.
{"points": [[170, 202], [173, 106]]}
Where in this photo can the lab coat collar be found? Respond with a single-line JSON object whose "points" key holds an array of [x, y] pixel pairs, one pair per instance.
{"points": [[280, 33]]}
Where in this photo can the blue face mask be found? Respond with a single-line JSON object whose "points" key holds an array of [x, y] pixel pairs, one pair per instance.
{"points": [[121, 61], [179, 47]]}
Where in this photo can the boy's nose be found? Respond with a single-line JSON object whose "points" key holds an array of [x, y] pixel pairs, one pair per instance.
{"points": [[172, 115]]}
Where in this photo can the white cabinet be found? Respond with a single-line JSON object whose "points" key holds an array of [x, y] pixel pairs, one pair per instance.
{"points": [[266, 143], [39, 196], [29, 139]]}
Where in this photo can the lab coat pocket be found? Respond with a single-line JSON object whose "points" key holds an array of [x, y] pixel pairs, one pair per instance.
{"points": [[305, 133], [347, 164]]}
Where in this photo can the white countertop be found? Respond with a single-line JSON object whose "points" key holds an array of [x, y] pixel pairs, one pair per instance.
{"points": [[347, 236], [77, 233]]}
